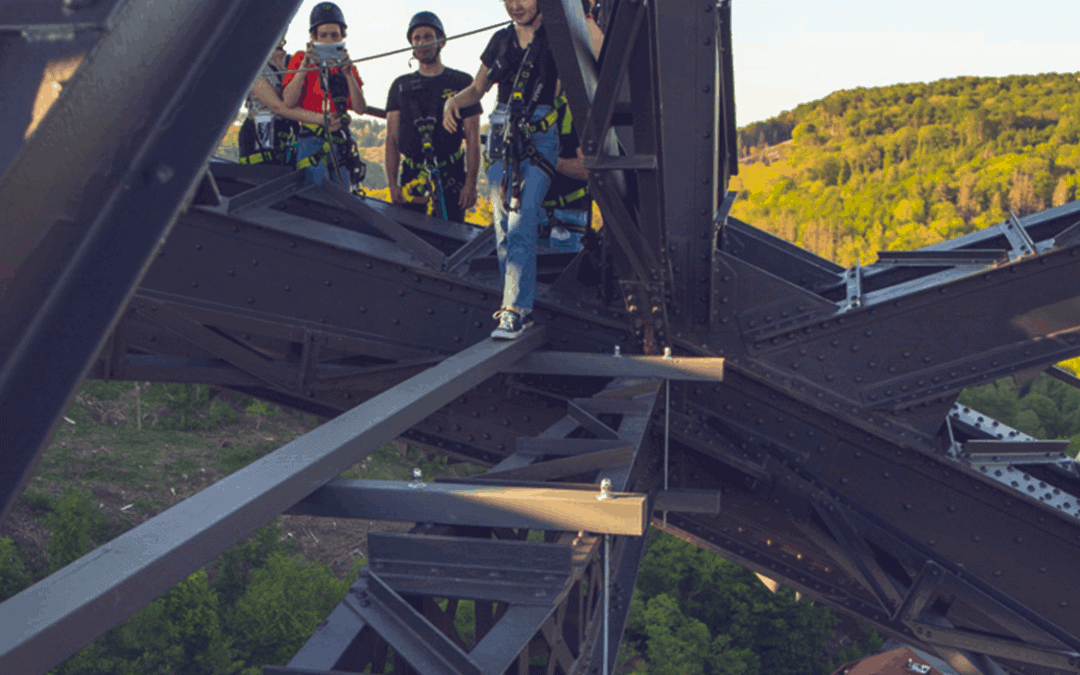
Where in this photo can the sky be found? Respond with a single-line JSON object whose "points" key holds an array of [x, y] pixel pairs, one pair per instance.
{"points": [[786, 52]]}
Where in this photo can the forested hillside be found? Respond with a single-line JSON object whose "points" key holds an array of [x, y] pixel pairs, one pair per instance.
{"points": [[909, 165]]}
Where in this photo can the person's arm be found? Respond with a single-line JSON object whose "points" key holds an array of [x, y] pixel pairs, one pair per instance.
{"points": [[472, 162], [264, 91], [468, 96], [392, 159], [356, 92], [294, 82], [573, 166]]}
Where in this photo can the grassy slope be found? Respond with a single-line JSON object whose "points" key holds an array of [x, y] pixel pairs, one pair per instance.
{"points": [[187, 442]]}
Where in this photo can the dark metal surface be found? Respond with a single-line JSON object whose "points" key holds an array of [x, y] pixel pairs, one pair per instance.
{"points": [[813, 432], [63, 219]]}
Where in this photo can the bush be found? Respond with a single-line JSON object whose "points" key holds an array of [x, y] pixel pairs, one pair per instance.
{"points": [[221, 414], [13, 576], [73, 525], [235, 565], [282, 606], [186, 402]]}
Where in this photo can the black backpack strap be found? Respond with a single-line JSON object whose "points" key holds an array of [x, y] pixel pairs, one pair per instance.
{"points": [[499, 67]]}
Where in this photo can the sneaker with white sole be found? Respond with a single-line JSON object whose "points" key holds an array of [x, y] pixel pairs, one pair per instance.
{"points": [[511, 324]]}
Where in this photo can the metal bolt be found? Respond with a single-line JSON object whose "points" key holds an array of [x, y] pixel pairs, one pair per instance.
{"points": [[605, 489], [163, 173], [667, 353], [417, 475], [618, 351]]}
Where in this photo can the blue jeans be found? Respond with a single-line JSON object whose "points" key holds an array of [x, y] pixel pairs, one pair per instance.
{"points": [[515, 232], [306, 146], [572, 244]]}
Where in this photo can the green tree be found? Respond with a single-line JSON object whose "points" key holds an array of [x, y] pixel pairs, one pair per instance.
{"points": [[283, 604], [199, 646], [678, 645], [232, 568], [786, 637]]}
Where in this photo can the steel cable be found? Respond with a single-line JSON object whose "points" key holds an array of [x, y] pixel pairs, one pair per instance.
{"points": [[410, 48]]}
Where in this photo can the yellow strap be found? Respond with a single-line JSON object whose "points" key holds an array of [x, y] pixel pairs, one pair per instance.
{"points": [[544, 123], [256, 158], [567, 198]]}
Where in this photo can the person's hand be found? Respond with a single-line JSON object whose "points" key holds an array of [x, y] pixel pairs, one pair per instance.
{"points": [[396, 196], [311, 57], [335, 121], [451, 114], [467, 198]]}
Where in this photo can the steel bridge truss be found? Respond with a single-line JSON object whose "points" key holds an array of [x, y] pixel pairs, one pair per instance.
{"points": [[806, 426]]}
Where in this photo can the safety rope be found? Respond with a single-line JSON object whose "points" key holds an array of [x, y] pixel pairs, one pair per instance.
{"points": [[402, 50]]}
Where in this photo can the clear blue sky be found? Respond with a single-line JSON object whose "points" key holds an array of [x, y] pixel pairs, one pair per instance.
{"points": [[786, 51]]}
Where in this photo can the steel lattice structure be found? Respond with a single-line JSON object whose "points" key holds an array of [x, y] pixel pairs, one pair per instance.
{"points": [[810, 410]]}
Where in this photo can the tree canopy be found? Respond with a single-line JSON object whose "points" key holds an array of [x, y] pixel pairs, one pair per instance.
{"points": [[906, 166]]}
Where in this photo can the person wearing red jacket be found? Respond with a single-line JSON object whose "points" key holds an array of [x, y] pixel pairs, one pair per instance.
{"points": [[318, 150]]}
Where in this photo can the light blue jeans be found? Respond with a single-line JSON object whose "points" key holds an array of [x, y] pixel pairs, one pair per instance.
{"points": [[572, 244], [306, 146], [516, 231]]}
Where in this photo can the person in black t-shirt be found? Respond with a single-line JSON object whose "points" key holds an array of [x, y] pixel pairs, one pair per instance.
{"points": [[414, 130], [522, 157], [568, 203]]}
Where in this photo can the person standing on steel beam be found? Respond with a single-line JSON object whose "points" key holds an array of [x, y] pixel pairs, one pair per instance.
{"points": [[325, 90], [269, 132], [436, 169], [523, 147]]}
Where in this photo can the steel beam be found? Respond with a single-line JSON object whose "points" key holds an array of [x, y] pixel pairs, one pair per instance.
{"points": [[515, 572], [412, 636], [334, 642], [64, 612], [565, 466], [532, 508], [697, 369], [688, 500], [113, 195]]}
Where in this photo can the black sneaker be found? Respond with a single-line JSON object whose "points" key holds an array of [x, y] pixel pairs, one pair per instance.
{"points": [[511, 324]]}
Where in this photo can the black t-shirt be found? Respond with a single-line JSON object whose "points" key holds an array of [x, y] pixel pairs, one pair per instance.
{"points": [[505, 42], [430, 93], [562, 185]]}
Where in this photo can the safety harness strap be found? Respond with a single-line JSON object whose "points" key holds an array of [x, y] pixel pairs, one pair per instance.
{"points": [[568, 198], [416, 163]]}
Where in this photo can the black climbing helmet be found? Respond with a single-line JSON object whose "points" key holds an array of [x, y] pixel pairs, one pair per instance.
{"points": [[425, 19], [326, 12]]}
